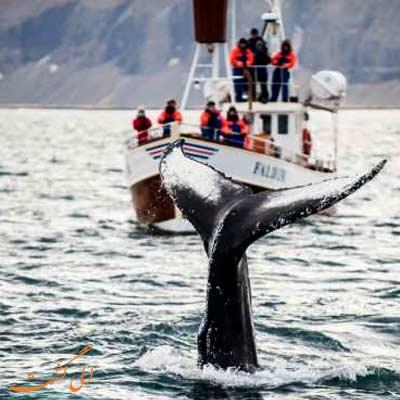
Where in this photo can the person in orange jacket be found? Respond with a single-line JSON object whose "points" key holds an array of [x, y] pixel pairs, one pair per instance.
{"points": [[234, 129], [284, 60], [241, 57], [168, 115], [141, 124], [211, 122]]}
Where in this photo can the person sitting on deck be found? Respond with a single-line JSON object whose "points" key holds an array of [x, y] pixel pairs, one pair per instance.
{"points": [[241, 57], [168, 115], [283, 60], [141, 124], [211, 122], [234, 129]]}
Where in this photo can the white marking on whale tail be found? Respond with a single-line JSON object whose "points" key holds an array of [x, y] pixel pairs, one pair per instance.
{"points": [[180, 173]]}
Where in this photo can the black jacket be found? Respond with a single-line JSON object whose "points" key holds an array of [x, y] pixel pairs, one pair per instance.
{"points": [[261, 56], [252, 42]]}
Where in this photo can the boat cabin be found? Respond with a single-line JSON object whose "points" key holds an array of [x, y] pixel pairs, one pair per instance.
{"points": [[283, 123]]}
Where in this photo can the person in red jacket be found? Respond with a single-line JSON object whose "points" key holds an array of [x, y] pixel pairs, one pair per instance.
{"points": [[241, 57], [234, 129], [211, 122], [141, 124], [284, 60], [168, 115], [307, 142]]}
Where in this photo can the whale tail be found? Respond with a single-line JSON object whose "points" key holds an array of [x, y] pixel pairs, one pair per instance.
{"points": [[217, 206]]}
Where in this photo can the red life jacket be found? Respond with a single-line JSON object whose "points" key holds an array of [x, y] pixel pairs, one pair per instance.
{"points": [[307, 142], [141, 124]]}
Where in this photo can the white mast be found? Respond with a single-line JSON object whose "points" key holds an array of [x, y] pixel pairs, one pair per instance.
{"points": [[233, 23], [274, 30], [211, 67]]}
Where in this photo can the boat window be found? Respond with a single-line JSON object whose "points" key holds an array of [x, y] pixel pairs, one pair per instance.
{"points": [[283, 124], [266, 123]]}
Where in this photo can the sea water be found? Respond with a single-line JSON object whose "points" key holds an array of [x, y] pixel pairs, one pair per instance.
{"points": [[75, 270]]}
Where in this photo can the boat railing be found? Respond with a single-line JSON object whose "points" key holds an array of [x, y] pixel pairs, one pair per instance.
{"points": [[258, 76], [264, 80], [257, 143], [149, 135], [266, 145], [260, 143]]}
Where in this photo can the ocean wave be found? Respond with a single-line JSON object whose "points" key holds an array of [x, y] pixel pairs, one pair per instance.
{"points": [[314, 338], [280, 373]]}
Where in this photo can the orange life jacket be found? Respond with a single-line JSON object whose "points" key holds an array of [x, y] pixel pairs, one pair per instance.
{"points": [[206, 116], [291, 57], [237, 56], [165, 118], [228, 127]]}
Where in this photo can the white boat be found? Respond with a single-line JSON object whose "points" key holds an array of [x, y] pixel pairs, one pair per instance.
{"points": [[274, 156]]}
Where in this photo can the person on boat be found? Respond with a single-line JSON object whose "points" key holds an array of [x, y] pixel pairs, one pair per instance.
{"points": [[259, 71], [284, 60], [307, 142], [168, 115], [253, 39], [241, 58], [234, 129], [263, 143], [141, 124], [211, 122]]}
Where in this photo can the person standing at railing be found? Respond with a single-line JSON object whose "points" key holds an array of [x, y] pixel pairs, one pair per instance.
{"points": [[211, 122], [259, 71], [234, 129], [241, 57], [169, 115], [253, 39], [141, 124], [283, 60]]}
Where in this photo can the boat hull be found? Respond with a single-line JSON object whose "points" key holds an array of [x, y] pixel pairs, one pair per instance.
{"points": [[155, 208], [151, 202]]}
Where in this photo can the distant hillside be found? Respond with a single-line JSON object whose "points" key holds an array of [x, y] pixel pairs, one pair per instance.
{"points": [[125, 52]]}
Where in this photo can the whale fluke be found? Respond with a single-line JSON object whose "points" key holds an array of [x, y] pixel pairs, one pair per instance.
{"points": [[210, 200], [229, 217], [259, 214]]}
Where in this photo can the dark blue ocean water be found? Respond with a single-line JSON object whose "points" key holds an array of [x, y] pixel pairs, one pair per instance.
{"points": [[75, 270]]}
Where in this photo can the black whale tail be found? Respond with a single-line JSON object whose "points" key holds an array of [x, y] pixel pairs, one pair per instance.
{"points": [[217, 206]]}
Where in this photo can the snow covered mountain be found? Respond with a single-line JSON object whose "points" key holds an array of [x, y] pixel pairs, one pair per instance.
{"points": [[126, 52]]}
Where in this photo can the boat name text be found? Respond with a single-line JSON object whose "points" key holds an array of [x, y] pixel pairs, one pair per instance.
{"points": [[270, 172]]}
